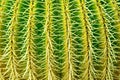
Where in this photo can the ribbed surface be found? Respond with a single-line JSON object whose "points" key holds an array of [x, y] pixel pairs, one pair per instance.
{"points": [[59, 39]]}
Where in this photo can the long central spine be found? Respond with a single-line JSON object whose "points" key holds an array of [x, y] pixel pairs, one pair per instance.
{"points": [[49, 47], [67, 29], [88, 63], [30, 47], [11, 53], [106, 45]]}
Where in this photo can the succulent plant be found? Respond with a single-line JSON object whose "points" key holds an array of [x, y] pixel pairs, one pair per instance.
{"points": [[59, 39]]}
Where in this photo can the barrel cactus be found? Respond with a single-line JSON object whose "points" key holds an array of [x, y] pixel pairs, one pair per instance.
{"points": [[59, 39]]}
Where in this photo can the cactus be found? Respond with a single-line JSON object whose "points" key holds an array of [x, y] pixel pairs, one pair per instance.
{"points": [[59, 39]]}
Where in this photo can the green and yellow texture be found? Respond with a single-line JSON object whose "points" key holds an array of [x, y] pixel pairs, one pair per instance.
{"points": [[59, 39]]}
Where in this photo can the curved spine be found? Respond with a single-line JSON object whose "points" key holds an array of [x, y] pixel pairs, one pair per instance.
{"points": [[30, 46], [67, 32], [106, 73], [48, 45], [88, 74], [11, 51], [116, 19]]}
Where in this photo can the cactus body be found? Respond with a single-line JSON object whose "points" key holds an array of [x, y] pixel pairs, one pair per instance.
{"points": [[59, 39]]}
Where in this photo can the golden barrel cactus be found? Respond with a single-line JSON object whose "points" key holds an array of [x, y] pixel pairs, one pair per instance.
{"points": [[59, 39]]}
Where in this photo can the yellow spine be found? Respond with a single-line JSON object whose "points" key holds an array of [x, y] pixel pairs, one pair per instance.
{"points": [[67, 30], [89, 70], [30, 46], [106, 44], [48, 45], [12, 62]]}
